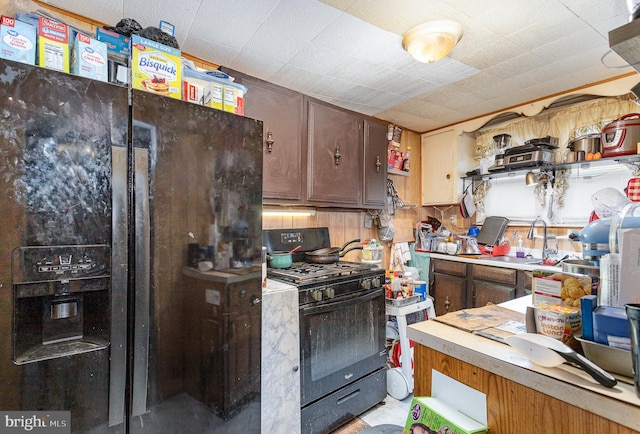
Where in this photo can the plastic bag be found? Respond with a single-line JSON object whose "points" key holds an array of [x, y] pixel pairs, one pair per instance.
{"points": [[608, 202], [386, 231]]}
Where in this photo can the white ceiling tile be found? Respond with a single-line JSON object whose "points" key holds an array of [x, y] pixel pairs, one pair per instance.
{"points": [[108, 11], [512, 51], [302, 18]]}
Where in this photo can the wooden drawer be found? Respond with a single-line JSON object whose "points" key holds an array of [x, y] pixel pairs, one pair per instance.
{"points": [[244, 295], [495, 274], [449, 267]]}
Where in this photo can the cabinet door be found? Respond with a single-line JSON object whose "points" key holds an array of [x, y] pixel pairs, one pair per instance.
{"points": [[491, 292], [335, 155], [375, 167], [450, 293], [281, 111], [439, 169], [244, 330]]}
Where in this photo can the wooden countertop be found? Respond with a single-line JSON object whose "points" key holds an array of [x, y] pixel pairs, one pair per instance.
{"points": [[566, 383], [225, 276]]}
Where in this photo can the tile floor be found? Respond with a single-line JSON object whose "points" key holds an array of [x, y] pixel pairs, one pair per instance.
{"points": [[390, 412]]}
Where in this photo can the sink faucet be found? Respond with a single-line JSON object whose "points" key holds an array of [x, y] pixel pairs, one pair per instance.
{"points": [[545, 250]]}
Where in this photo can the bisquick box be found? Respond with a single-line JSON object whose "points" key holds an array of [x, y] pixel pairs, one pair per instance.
{"points": [[155, 67], [53, 44], [89, 57], [17, 40]]}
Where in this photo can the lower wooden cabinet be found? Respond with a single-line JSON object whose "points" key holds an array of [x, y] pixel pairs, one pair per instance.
{"points": [[460, 285], [222, 342], [449, 285], [493, 284]]}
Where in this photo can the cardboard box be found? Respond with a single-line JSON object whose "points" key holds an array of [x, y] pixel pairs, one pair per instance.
{"points": [[116, 43], [53, 44], [17, 40], [558, 321], [629, 240], [440, 417], [155, 67], [234, 98], [610, 325], [550, 287], [89, 58], [197, 88]]}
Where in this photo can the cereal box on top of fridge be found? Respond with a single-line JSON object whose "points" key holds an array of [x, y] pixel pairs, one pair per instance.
{"points": [[53, 44], [17, 40], [155, 67], [89, 58]]}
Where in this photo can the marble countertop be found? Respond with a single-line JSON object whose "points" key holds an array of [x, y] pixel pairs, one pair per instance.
{"points": [[565, 382]]}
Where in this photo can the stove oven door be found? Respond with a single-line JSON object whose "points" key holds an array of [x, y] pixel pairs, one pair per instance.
{"points": [[341, 342]]}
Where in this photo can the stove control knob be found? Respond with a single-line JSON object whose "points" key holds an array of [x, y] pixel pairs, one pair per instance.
{"points": [[316, 294], [375, 282], [329, 292], [366, 284]]}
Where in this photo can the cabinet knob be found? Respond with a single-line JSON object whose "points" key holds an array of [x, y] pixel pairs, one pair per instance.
{"points": [[447, 303], [378, 164], [448, 176], [337, 156], [255, 300], [295, 368], [269, 141]]}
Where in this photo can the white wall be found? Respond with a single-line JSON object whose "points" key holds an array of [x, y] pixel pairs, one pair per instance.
{"points": [[511, 198]]}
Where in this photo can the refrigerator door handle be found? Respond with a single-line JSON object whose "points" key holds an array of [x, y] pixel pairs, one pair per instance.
{"points": [[119, 271], [142, 281]]}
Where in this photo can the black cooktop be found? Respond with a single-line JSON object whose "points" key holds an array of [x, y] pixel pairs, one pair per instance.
{"points": [[304, 272]]}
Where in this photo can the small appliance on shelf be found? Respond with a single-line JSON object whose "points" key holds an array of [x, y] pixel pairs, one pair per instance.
{"points": [[534, 152]]}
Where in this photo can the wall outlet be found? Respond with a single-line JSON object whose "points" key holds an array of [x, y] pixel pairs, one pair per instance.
{"points": [[212, 296]]}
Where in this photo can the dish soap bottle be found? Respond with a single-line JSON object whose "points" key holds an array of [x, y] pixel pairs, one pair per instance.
{"points": [[519, 247]]}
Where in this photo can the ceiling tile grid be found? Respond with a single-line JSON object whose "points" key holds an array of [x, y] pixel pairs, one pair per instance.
{"points": [[349, 52]]}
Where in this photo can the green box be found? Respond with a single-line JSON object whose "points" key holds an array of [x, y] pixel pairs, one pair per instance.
{"points": [[439, 418]]}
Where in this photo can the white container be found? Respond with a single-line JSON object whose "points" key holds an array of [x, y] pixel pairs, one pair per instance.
{"points": [[371, 254]]}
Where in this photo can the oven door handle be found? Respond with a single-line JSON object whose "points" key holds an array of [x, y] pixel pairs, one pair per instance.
{"points": [[325, 307]]}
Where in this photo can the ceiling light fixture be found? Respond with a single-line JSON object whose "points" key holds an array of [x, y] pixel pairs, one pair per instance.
{"points": [[432, 41]]}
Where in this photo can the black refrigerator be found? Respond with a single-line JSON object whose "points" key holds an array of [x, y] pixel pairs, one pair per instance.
{"points": [[115, 202]]}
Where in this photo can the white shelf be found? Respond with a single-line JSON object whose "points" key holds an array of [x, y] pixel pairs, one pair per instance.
{"points": [[397, 172]]}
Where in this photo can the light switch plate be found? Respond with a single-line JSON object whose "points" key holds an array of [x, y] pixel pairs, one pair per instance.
{"points": [[368, 220]]}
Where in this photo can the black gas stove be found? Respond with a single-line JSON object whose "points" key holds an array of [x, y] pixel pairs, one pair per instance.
{"points": [[342, 329], [317, 282]]}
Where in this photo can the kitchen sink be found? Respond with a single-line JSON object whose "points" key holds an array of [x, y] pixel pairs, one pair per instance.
{"points": [[525, 261]]}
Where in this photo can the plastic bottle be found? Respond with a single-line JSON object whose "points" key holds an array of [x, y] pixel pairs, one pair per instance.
{"points": [[396, 285], [405, 162], [520, 248], [407, 283]]}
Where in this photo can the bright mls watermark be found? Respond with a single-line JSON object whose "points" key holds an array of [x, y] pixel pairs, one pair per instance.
{"points": [[40, 422]]}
